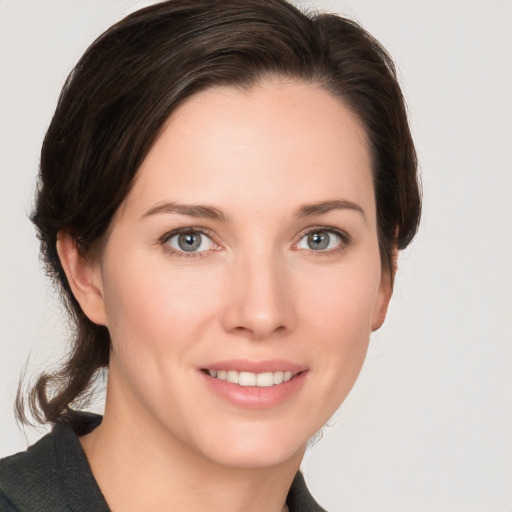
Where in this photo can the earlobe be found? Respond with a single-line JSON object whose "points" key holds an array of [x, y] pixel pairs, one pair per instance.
{"points": [[84, 278], [385, 292], [382, 303]]}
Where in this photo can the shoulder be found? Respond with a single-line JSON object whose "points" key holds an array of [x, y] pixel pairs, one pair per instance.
{"points": [[299, 497], [5, 504], [51, 475], [28, 479]]}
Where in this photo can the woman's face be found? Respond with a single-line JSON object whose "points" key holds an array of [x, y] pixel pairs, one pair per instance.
{"points": [[246, 250]]}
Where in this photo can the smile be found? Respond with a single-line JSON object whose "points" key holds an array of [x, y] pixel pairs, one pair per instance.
{"points": [[261, 380]]}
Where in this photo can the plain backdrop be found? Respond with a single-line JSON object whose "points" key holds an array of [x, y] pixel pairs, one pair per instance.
{"points": [[428, 426]]}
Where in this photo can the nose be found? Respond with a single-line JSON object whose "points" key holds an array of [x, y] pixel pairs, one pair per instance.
{"points": [[259, 301]]}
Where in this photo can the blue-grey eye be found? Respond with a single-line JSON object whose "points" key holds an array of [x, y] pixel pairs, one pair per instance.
{"points": [[320, 240], [191, 241]]}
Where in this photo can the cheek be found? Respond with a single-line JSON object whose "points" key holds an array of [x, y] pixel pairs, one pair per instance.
{"points": [[342, 301], [157, 311], [339, 317], [155, 321]]}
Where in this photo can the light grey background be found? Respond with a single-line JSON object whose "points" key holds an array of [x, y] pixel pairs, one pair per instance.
{"points": [[428, 426]]}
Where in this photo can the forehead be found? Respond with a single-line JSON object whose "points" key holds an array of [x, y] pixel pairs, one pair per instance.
{"points": [[276, 142]]}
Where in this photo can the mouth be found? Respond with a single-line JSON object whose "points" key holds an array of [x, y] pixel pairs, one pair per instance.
{"points": [[249, 379], [255, 385]]}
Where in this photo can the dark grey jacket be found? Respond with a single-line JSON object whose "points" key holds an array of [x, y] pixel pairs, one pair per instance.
{"points": [[53, 475]]}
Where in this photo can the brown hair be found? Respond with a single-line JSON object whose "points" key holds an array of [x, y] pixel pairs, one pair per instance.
{"points": [[131, 79]]}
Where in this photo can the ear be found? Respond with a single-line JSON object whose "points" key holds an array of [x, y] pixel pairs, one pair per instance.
{"points": [[385, 291], [84, 278]]}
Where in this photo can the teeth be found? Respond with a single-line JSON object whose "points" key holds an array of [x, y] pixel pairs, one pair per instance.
{"points": [[278, 377], [232, 376], [247, 379], [260, 380], [264, 380]]}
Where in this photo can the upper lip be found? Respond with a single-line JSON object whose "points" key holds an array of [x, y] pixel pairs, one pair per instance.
{"points": [[246, 365]]}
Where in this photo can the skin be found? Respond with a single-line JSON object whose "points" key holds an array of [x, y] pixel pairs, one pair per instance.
{"points": [[255, 291]]}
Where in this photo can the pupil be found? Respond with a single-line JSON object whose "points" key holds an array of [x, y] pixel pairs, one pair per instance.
{"points": [[318, 241], [189, 242]]}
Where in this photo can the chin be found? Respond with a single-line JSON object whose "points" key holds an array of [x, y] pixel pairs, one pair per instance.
{"points": [[257, 447], [251, 458]]}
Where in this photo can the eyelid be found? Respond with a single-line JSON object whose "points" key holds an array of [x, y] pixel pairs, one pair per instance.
{"points": [[346, 239], [164, 239]]}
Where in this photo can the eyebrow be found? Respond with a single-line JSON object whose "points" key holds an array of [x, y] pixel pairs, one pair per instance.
{"points": [[309, 210], [191, 210], [211, 212]]}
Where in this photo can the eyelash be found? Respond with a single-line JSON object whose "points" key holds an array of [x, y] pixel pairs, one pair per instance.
{"points": [[182, 231], [346, 240]]}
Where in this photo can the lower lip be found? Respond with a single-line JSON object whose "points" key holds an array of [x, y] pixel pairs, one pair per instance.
{"points": [[253, 397]]}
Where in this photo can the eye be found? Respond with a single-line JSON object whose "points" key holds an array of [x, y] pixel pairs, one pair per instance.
{"points": [[321, 240], [191, 241]]}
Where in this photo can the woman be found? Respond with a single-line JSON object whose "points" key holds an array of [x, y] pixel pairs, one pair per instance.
{"points": [[223, 191]]}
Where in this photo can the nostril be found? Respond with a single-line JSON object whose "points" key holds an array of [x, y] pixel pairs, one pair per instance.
{"points": [[241, 330], [259, 331], [257, 309]]}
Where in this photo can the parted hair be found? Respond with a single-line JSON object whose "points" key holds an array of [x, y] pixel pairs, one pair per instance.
{"points": [[119, 95]]}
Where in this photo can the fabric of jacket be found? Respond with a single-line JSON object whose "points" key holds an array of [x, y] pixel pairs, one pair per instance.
{"points": [[53, 475]]}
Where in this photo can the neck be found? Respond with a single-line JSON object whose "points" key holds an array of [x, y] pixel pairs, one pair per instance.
{"points": [[140, 466]]}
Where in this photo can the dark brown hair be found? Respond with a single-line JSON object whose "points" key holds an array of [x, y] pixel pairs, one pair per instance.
{"points": [[131, 79]]}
